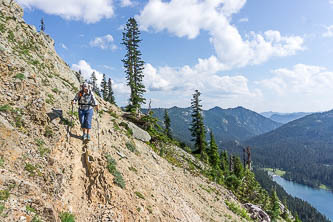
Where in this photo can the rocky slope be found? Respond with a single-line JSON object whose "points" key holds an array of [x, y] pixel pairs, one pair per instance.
{"points": [[44, 175]]}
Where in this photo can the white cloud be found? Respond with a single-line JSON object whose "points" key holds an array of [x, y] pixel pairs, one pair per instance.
{"points": [[188, 18], [126, 3], [303, 87], [331, 2], [243, 20], [329, 31], [104, 42], [85, 10], [64, 46]]}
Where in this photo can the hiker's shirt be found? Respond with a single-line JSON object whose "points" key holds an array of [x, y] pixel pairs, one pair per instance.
{"points": [[86, 100]]}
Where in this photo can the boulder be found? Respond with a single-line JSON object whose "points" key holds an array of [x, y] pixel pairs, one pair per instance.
{"points": [[257, 213], [139, 133]]}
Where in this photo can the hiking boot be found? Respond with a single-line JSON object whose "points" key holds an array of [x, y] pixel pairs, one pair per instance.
{"points": [[88, 137], [84, 136]]}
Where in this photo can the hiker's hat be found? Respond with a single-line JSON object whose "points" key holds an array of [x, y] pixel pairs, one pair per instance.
{"points": [[85, 86]]}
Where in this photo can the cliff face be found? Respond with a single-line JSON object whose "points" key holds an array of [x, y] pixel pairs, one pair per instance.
{"points": [[44, 175]]}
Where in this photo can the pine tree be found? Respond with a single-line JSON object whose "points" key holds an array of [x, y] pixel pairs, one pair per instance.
{"points": [[133, 64], [167, 124], [197, 127], [42, 25], [93, 82], [110, 98], [104, 88], [275, 206], [224, 159], [213, 153], [238, 167]]}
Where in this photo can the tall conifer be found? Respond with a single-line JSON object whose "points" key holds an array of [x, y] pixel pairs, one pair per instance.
{"points": [[213, 153], [197, 127], [133, 64], [104, 88], [167, 123], [110, 98]]}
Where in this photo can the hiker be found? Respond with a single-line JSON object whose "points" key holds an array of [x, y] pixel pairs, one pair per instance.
{"points": [[87, 102]]}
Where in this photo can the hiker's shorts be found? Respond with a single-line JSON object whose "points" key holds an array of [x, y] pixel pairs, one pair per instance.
{"points": [[85, 117]]}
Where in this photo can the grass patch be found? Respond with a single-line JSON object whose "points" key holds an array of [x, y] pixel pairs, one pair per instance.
{"points": [[131, 147], [140, 195], [133, 169], [11, 36], [115, 125], [67, 217], [36, 219], [30, 209], [129, 131], [41, 148], [50, 99], [238, 210], [4, 194], [2, 208], [32, 169], [5, 108], [150, 209], [2, 162], [56, 90], [19, 76], [322, 186], [276, 171], [113, 114], [118, 178], [48, 132], [2, 28]]}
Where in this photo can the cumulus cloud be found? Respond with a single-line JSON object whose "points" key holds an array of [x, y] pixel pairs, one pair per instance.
{"points": [[329, 31], [126, 3], [188, 18], [331, 2], [104, 42], [85, 10], [303, 79]]}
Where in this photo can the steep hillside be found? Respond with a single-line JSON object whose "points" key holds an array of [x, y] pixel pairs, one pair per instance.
{"points": [[227, 124], [45, 176], [302, 147], [284, 117]]}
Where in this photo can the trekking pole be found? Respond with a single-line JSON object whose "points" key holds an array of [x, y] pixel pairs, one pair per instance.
{"points": [[97, 119], [70, 124]]}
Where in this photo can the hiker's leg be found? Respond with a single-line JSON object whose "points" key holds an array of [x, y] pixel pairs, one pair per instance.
{"points": [[81, 117], [90, 113]]}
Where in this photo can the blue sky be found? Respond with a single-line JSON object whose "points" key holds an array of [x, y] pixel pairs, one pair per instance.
{"points": [[263, 54]]}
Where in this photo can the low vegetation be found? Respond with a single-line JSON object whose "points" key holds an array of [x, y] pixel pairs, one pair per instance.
{"points": [[111, 166], [67, 217], [238, 210]]}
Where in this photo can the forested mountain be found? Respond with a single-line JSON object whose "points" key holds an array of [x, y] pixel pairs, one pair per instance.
{"points": [[304, 148], [284, 117], [227, 124]]}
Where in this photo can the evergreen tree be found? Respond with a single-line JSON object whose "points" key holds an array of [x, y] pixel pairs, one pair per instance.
{"points": [[110, 98], [224, 161], [197, 127], [297, 218], [167, 124], [213, 153], [275, 210], [133, 64], [238, 167], [93, 82], [104, 88], [42, 25]]}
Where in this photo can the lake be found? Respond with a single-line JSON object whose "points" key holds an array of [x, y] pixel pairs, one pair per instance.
{"points": [[322, 200]]}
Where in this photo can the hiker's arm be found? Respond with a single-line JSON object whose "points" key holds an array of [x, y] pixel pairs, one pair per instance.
{"points": [[95, 102], [75, 98]]}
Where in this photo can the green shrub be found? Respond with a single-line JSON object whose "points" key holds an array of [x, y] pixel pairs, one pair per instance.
{"points": [[238, 210], [2, 28], [111, 166], [48, 132], [4, 194], [32, 169], [131, 147], [30, 209], [56, 90], [2, 161], [133, 169], [113, 114], [11, 36], [140, 195], [2, 207], [67, 217], [36, 219], [5, 108], [50, 99], [20, 76]]}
